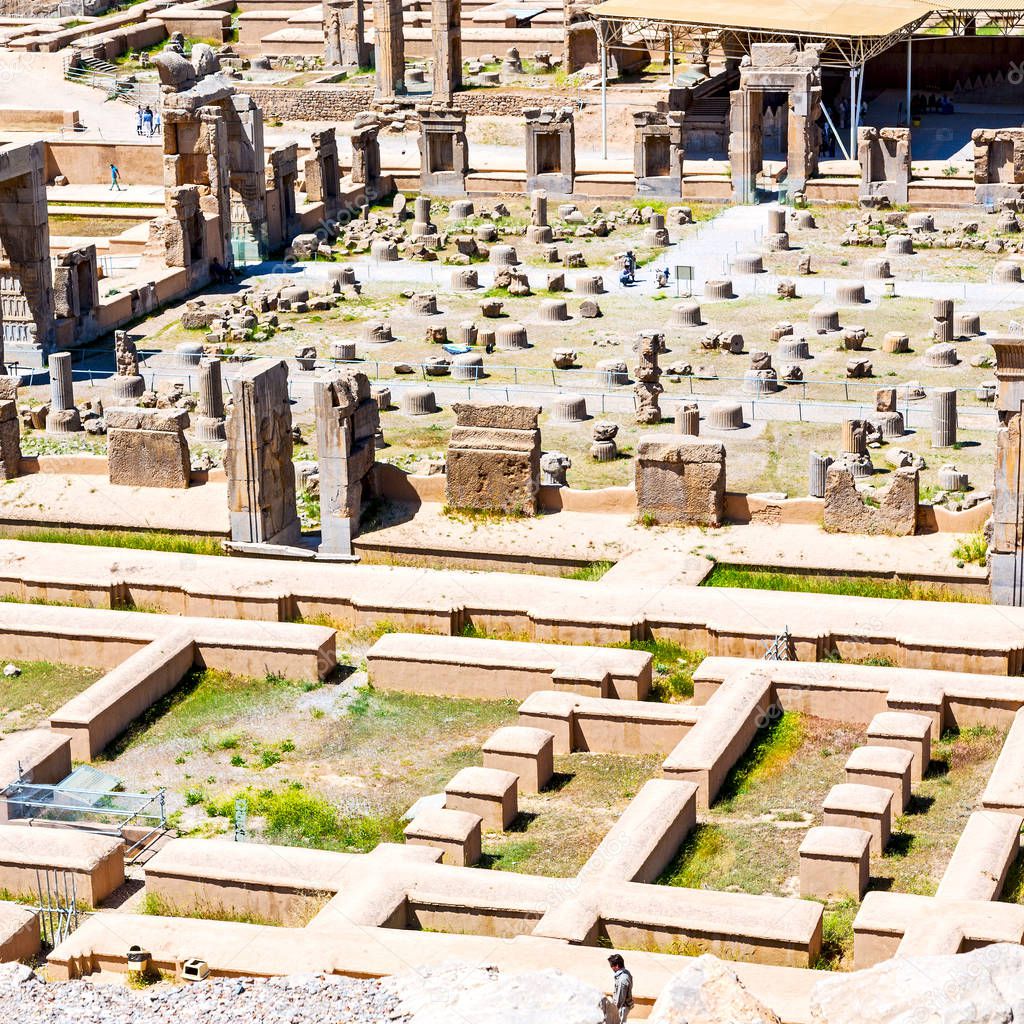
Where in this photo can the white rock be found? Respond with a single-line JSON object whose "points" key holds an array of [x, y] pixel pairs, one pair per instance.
{"points": [[466, 992], [985, 986], [11, 670], [706, 991]]}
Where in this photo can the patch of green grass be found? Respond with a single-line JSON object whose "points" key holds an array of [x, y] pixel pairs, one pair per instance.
{"points": [[971, 549], [28, 699], [673, 667], [139, 541], [849, 586], [158, 907], [201, 706], [296, 817], [707, 853], [836, 935], [509, 856], [593, 571], [145, 979], [773, 747], [481, 515]]}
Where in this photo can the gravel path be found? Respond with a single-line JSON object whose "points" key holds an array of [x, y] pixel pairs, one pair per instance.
{"points": [[306, 999]]}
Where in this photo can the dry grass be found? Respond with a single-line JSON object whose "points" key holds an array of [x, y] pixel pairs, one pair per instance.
{"points": [[27, 700]]}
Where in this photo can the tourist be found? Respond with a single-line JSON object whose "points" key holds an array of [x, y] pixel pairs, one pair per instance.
{"points": [[115, 178], [147, 120], [623, 994], [844, 113], [138, 120]]}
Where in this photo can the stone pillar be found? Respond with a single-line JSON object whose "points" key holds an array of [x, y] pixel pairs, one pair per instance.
{"points": [[817, 473], [389, 49], [366, 154], [345, 34], [853, 437], [127, 383], [943, 417], [539, 230], [210, 426], [942, 320], [63, 417], [446, 32], [648, 388], [421, 224], [688, 419], [347, 420], [1007, 545], [258, 461]]}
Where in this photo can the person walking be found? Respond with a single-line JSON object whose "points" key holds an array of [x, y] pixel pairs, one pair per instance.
{"points": [[623, 993], [115, 178], [138, 120], [147, 120]]}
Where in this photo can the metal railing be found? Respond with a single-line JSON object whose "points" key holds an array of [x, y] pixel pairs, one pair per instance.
{"points": [[781, 648], [106, 813], [58, 909]]}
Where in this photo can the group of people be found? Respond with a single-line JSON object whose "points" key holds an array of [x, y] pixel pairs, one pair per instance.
{"points": [[146, 122], [921, 103]]}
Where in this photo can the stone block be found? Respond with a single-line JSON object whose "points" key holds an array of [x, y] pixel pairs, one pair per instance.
{"points": [[488, 792], [528, 753], [886, 767], [906, 731], [854, 805], [456, 833], [680, 480], [834, 863]]}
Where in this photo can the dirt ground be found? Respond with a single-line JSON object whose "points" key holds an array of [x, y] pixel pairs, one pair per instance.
{"points": [[764, 456]]}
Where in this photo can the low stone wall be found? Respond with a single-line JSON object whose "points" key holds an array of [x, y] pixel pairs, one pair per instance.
{"points": [[86, 636], [340, 103], [503, 669], [41, 756], [103, 711], [96, 862], [607, 726], [19, 932]]}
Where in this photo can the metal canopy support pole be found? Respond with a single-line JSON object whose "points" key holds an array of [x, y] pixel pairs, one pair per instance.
{"points": [[910, 40], [604, 98], [835, 132], [860, 93], [671, 57], [853, 109]]}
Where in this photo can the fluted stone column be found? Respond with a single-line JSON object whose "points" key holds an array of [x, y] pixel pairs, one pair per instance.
{"points": [[942, 320], [210, 413], [852, 437], [688, 419], [63, 417], [817, 471], [389, 48], [943, 417]]}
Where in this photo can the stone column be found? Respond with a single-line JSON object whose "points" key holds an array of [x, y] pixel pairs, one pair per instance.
{"points": [[389, 48], [647, 389], [421, 224], [943, 417], [688, 419], [446, 31], [539, 231], [852, 436], [210, 414], [942, 320], [63, 417], [1007, 544], [817, 471], [127, 383]]}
